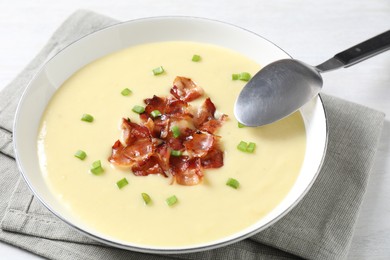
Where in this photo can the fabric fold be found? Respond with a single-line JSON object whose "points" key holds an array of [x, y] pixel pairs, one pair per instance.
{"points": [[6, 142]]}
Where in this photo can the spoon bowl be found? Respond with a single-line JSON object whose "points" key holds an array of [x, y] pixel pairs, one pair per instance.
{"points": [[278, 90], [284, 86]]}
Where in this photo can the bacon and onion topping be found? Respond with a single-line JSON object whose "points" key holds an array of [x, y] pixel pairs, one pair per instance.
{"points": [[173, 139]]}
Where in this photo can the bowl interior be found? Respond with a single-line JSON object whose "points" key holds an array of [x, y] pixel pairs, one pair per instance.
{"points": [[58, 69]]}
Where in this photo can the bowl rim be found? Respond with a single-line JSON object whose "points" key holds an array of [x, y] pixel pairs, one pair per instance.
{"points": [[157, 249]]}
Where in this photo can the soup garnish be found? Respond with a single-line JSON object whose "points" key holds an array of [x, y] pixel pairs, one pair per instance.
{"points": [[174, 139]]}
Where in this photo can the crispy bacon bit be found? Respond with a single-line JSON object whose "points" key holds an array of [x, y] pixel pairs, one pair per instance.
{"points": [[139, 150], [146, 148], [213, 159], [205, 112], [176, 107], [132, 131], [213, 125], [155, 103], [205, 117], [185, 89], [146, 167], [117, 155], [200, 144], [186, 170], [163, 155]]}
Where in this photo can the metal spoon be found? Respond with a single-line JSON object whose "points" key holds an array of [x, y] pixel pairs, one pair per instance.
{"points": [[284, 86]]}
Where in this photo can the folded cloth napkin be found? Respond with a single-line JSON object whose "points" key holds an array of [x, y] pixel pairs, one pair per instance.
{"points": [[319, 227]]}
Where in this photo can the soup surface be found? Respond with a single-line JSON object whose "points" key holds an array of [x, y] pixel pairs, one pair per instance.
{"points": [[204, 212]]}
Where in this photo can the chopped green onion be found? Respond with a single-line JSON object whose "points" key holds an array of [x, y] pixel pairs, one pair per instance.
{"points": [[245, 147], [126, 92], [196, 58], [233, 183], [155, 113], [235, 76], [80, 154], [242, 146], [87, 118], [176, 131], [251, 147], [97, 168], [176, 153], [171, 200], [138, 109], [146, 198], [96, 164], [244, 76], [158, 70], [122, 183], [240, 125]]}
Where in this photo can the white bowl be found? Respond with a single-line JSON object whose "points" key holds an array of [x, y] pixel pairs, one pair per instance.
{"points": [[98, 44]]}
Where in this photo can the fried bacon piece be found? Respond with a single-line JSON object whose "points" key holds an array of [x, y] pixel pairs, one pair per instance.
{"points": [[132, 131], [213, 159], [176, 107], [157, 163], [146, 148], [155, 103], [137, 144], [205, 113], [205, 119], [146, 167], [186, 170], [117, 155], [185, 89], [169, 107], [200, 144]]}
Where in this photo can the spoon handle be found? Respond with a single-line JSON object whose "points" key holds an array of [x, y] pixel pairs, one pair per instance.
{"points": [[365, 50]]}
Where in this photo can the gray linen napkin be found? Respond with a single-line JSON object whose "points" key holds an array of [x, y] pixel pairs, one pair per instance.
{"points": [[319, 227]]}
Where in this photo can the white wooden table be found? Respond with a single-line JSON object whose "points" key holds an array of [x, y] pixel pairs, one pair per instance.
{"points": [[312, 31]]}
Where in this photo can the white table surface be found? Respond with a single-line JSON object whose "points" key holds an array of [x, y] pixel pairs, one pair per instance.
{"points": [[312, 31]]}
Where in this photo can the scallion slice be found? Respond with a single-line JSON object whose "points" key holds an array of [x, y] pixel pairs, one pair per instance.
{"points": [[246, 147], [175, 131], [126, 92], [80, 154], [96, 164], [196, 58], [171, 200], [122, 183], [240, 125], [251, 147], [158, 71], [242, 146], [87, 118], [97, 168], [146, 198], [138, 109], [233, 183], [176, 153], [235, 76], [155, 113], [244, 76]]}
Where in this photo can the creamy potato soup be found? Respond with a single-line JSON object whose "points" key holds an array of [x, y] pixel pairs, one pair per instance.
{"points": [[204, 212]]}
